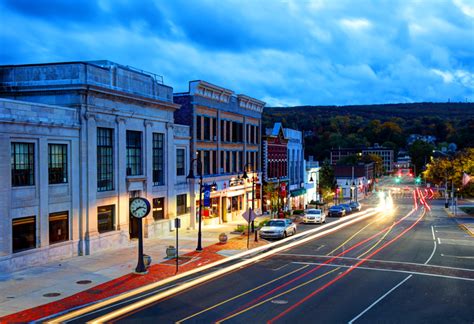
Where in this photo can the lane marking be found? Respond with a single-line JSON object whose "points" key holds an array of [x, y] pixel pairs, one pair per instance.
{"points": [[161, 295], [276, 296], [343, 222], [439, 241], [457, 256], [378, 242], [345, 273], [381, 261], [242, 294], [279, 268], [351, 237], [378, 300], [432, 232], [434, 246]]}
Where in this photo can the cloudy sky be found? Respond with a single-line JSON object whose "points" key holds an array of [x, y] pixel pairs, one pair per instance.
{"points": [[285, 52]]}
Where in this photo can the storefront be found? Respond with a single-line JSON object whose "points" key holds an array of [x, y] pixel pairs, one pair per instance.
{"points": [[297, 199]]}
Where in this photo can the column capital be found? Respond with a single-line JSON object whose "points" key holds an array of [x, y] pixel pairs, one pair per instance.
{"points": [[90, 116], [120, 119], [148, 123], [169, 125]]}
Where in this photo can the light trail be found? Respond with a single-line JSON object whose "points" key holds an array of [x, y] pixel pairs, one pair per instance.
{"points": [[249, 304], [345, 273]]}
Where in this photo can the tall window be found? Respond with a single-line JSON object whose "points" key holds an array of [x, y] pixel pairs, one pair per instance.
{"points": [[207, 128], [234, 161], [23, 164], [106, 218], [214, 128], [181, 204], [234, 132], [198, 128], [105, 159], [158, 208], [227, 162], [227, 131], [158, 164], [58, 227], [207, 162], [134, 153], [241, 161], [23, 233], [214, 162], [57, 164], [180, 162], [222, 165], [222, 139]]}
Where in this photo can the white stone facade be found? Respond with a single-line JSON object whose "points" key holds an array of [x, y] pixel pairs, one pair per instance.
{"points": [[72, 101]]}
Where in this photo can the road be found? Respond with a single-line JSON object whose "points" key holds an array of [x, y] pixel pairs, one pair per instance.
{"points": [[403, 266]]}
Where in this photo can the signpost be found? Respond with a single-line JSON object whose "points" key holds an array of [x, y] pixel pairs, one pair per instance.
{"points": [[177, 225]]}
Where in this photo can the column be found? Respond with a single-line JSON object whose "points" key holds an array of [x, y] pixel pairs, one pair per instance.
{"points": [[148, 171], [91, 176], [122, 217], [42, 221], [5, 196]]}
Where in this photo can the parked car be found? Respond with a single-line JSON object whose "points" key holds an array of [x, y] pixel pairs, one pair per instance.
{"points": [[355, 206], [347, 208], [314, 216], [337, 211], [278, 228]]}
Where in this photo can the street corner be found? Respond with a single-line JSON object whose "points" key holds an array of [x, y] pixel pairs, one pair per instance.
{"points": [[468, 228]]}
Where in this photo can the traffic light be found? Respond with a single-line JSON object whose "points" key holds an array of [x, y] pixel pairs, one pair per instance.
{"points": [[398, 180], [417, 180]]}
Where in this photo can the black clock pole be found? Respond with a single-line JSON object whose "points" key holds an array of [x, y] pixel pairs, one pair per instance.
{"points": [[140, 265]]}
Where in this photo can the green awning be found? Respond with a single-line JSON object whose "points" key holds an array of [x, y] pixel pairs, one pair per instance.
{"points": [[297, 192]]}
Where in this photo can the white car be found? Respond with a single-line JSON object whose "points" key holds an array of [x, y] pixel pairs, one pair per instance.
{"points": [[278, 228], [314, 216]]}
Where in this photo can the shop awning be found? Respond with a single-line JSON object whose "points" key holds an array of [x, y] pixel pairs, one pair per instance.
{"points": [[297, 192]]}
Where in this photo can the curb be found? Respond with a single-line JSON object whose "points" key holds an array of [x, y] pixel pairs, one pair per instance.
{"points": [[466, 229]]}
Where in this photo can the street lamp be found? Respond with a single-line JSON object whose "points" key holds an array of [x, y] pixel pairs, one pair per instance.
{"points": [[191, 176], [353, 194], [254, 178], [316, 189]]}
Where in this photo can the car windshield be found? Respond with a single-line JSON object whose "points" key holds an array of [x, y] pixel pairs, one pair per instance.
{"points": [[314, 212], [276, 223]]}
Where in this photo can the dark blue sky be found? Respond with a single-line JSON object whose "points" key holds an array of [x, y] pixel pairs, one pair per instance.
{"points": [[283, 52]]}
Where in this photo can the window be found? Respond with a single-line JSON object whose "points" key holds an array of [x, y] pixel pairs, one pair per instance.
{"points": [[207, 162], [158, 169], [105, 159], [198, 128], [180, 162], [23, 233], [227, 131], [134, 153], [181, 204], [207, 128], [106, 218], [214, 162], [58, 227], [241, 160], [234, 132], [214, 129], [222, 165], [222, 139], [23, 164], [234, 161], [57, 163], [227, 162], [158, 208]]}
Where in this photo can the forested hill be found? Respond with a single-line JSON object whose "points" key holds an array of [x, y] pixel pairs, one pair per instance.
{"points": [[348, 126]]}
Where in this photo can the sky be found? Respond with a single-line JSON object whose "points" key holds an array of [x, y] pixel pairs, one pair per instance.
{"points": [[284, 52]]}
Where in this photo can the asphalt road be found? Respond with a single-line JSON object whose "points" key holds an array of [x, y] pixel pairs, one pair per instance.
{"points": [[400, 267]]}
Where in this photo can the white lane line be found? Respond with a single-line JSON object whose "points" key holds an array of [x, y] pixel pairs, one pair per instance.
{"points": [[387, 270], [378, 300], [434, 246], [381, 261], [439, 241]]}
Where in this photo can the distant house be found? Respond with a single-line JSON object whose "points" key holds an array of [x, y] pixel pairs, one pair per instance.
{"points": [[354, 181], [417, 137]]}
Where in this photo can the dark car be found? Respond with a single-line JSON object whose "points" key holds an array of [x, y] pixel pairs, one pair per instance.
{"points": [[355, 206], [336, 211], [347, 208]]}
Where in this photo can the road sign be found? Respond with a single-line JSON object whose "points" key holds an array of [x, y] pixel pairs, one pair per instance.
{"points": [[249, 215]]}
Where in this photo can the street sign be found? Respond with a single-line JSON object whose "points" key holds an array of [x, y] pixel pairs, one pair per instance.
{"points": [[207, 195], [177, 222], [249, 215]]}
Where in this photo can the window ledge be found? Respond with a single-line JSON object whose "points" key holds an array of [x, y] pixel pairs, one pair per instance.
{"points": [[136, 178]]}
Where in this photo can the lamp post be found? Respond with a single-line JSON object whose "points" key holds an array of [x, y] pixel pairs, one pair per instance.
{"points": [[191, 176], [245, 176], [316, 189]]}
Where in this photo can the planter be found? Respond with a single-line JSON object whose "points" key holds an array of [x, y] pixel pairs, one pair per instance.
{"points": [[223, 238], [146, 260], [170, 252]]}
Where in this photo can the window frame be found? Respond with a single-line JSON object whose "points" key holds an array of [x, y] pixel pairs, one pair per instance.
{"points": [[113, 216], [180, 209], [105, 159], [27, 173], [56, 176], [134, 153], [158, 163]]}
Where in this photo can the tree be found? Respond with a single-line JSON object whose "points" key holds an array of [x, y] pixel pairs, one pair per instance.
{"points": [[420, 153], [326, 176]]}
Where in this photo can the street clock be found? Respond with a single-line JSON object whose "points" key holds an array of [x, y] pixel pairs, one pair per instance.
{"points": [[139, 207]]}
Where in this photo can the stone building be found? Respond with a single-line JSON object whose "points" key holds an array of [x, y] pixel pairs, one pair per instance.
{"points": [[225, 132], [78, 141]]}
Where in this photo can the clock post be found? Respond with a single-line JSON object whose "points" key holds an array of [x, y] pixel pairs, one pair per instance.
{"points": [[139, 208]]}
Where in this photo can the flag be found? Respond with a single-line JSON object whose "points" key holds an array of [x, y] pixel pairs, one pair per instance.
{"points": [[466, 178]]}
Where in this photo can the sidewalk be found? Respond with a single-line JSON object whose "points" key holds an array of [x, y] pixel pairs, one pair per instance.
{"points": [[465, 221], [82, 280]]}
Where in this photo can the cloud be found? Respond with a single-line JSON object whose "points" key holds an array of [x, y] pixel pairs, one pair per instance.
{"points": [[283, 52]]}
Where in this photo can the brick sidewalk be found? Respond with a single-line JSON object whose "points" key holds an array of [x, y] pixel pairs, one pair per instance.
{"points": [[131, 281]]}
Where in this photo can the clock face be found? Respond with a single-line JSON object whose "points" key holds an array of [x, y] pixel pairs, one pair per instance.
{"points": [[139, 207]]}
